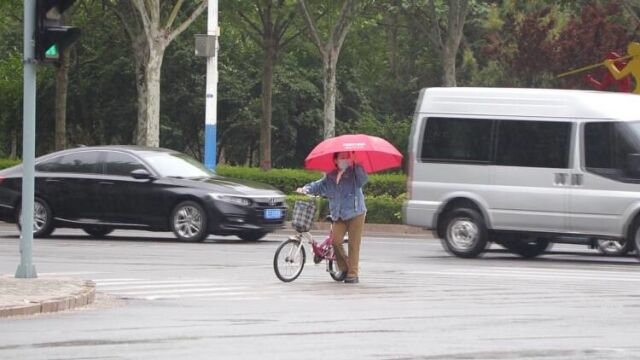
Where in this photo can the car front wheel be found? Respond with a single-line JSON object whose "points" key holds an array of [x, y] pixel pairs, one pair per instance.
{"points": [[189, 221]]}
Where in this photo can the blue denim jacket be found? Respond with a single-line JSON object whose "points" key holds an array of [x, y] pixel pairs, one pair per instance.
{"points": [[346, 199]]}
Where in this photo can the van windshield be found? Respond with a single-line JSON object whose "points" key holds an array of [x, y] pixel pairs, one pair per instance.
{"points": [[612, 149]]}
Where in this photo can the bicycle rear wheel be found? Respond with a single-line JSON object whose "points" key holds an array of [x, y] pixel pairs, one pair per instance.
{"points": [[289, 260], [335, 272]]}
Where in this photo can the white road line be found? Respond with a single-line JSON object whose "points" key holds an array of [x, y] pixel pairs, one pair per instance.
{"points": [[218, 290], [148, 281], [476, 273], [162, 286]]}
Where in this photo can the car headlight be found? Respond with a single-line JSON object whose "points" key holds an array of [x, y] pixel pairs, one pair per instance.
{"points": [[237, 200]]}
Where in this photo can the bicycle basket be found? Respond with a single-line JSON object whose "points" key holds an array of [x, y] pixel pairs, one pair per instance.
{"points": [[303, 214]]}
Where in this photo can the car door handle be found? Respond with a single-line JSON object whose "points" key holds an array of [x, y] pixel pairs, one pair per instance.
{"points": [[53, 180], [105, 183], [560, 178], [576, 179]]}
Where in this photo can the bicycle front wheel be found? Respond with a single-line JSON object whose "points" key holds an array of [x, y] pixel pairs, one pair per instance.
{"points": [[289, 260]]}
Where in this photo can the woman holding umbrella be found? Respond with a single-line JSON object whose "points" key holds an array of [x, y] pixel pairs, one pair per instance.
{"points": [[343, 187]]}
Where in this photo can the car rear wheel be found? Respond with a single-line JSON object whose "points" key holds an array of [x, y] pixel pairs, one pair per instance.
{"points": [[252, 235], [42, 219], [465, 233], [189, 221], [614, 247], [98, 231], [527, 247]]}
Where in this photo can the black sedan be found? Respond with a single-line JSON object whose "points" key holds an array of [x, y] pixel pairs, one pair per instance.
{"points": [[100, 189]]}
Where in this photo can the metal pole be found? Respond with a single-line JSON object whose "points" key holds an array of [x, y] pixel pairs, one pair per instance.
{"points": [[211, 101], [26, 269]]}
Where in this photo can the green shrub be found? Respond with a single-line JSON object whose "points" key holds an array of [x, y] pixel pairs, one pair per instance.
{"points": [[287, 180], [7, 163], [380, 209]]}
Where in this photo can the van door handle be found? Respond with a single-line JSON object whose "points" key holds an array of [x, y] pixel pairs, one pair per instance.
{"points": [[560, 178], [576, 179]]}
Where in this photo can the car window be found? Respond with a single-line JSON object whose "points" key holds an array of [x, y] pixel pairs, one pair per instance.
{"points": [[121, 164], [610, 148], [176, 165], [459, 140], [533, 143], [85, 162], [51, 165]]}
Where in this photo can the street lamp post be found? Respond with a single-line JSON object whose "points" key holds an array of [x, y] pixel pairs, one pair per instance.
{"points": [[211, 100], [26, 269]]}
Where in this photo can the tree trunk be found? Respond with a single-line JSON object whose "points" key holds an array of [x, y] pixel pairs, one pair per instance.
{"points": [[329, 63], [392, 42], [14, 145], [148, 69], [449, 66], [267, 96], [62, 81]]}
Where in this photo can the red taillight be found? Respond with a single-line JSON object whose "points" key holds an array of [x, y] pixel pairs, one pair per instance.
{"points": [[1, 178]]}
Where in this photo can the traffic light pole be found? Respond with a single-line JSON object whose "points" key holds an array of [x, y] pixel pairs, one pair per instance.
{"points": [[26, 269], [211, 101]]}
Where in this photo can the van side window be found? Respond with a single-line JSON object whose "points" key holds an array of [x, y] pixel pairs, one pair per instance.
{"points": [[533, 143], [460, 140], [612, 149]]}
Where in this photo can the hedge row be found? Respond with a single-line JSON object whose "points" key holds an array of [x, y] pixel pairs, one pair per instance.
{"points": [[380, 209], [287, 180], [7, 163]]}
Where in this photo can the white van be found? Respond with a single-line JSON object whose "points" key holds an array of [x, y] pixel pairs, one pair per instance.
{"points": [[524, 168]]}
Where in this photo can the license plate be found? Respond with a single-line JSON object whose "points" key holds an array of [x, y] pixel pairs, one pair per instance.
{"points": [[271, 214]]}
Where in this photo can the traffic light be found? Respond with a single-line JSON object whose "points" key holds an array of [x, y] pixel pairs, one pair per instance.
{"points": [[52, 37]]}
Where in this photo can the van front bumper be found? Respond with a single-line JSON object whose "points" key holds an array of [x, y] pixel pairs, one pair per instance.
{"points": [[420, 213]]}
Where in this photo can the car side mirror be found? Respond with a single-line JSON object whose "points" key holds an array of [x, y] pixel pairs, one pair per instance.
{"points": [[141, 174], [633, 165]]}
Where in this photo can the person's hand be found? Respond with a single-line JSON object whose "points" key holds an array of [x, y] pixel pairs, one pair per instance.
{"points": [[301, 191], [608, 63]]}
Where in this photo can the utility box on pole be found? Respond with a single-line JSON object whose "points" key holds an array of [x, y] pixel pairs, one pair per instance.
{"points": [[206, 45]]}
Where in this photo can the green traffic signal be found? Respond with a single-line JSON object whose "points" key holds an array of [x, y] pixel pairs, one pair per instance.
{"points": [[52, 52]]}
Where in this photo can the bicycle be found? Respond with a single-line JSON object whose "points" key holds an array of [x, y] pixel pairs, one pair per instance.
{"points": [[290, 256]]}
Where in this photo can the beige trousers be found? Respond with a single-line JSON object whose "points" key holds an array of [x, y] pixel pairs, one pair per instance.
{"points": [[354, 227]]}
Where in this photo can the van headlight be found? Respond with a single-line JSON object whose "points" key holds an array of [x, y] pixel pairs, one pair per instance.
{"points": [[237, 200]]}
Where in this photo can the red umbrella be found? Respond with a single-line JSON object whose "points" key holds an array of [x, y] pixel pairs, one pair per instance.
{"points": [[374, 153]]}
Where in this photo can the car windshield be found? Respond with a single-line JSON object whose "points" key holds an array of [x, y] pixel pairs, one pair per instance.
{"points": [[176, 165]]}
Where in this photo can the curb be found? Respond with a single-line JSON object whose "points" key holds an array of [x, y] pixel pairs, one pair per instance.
{"points": [[85, 297]]}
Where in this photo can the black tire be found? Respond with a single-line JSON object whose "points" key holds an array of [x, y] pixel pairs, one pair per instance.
{"points": [[98, 231], [252, 235], [614, 247], [43, 218], [465, 233], [634, 237], [528, 248], [189, 222], [335, 272], [286, 268]]}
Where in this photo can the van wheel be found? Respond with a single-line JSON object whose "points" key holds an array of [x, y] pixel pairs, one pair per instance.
{"points": [[614, 247], [465, 233], [634, 237], [527, 248]]}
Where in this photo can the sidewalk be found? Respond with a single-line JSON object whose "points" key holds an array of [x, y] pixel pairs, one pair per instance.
{"points": [[42, 295]]}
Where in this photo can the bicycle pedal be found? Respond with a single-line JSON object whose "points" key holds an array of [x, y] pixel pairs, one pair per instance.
{"points": [[317, 259]]}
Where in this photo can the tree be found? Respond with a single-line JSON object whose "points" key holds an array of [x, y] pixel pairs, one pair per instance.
{"points": [[275, 19], [329, 51], [445, 35], [150, 35]]}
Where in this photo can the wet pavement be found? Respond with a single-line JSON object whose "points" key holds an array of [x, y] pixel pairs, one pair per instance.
{"points": [[161, 299]]}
